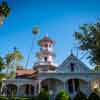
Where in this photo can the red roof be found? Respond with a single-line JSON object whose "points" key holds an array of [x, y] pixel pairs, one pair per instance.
{"points": [[25, 72], [46, 38]]}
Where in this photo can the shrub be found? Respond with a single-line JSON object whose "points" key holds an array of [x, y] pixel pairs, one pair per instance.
{"points": [[43, 95], [80, 96], [20, 98], [16, 98], [97, 90], [3, 98], [93, 96], [62, 95]]}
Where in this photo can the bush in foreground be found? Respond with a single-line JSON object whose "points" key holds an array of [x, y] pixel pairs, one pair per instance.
{"points": [[93, 96], [80, 96], [43, 95], [3, 98], [62, 95], [18, 98]]}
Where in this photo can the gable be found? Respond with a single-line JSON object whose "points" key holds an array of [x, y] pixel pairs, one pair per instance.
{"points": [[73, 64]]}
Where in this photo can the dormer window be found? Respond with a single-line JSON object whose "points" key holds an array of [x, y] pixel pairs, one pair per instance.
{"points": [[72, 67]]}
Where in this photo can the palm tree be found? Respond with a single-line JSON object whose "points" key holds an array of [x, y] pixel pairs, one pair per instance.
{"points": [[1, 64], [4, 11], [12, 59], [35, 31], [2, 75], [8, 60]]}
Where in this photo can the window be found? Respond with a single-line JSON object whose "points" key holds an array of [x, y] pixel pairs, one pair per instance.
{"points": [[72, 67], [70, 85], [45, 59]]}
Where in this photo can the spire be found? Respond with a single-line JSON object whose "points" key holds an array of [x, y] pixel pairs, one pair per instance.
{"points": [[46, 35]]}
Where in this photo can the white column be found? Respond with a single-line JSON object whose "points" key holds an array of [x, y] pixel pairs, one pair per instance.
{"points": [[39, 86], [18, 90], [73, 82]]}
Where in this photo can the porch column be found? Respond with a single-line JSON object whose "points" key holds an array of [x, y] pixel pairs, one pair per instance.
{"points": [[89, 84], [64, 83], [39, 89], [18, 90], [35, 89]]}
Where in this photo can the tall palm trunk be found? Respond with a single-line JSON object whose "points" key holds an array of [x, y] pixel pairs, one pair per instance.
{"points": [[29, 55]]}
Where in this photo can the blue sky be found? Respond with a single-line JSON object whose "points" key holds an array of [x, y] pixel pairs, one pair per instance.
{"points": [[57, 18]]}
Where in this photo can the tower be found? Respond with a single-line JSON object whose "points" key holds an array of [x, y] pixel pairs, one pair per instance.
{"points": [[45, 55]]}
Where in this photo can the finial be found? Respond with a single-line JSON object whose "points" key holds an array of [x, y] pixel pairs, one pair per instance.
{"points": [[46, 35]]}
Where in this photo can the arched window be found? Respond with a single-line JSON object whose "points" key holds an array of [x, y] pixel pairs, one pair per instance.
{"points": [[72, 67]]}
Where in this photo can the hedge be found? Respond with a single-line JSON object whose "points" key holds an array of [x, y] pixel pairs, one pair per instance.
{"points": [[93, 96], [16, 98], [3, 98], [43, 95]]}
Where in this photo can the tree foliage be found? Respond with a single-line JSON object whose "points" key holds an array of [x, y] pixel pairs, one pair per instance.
{"points": [[11, 60], [43, 95], [88, 39], [97, 68], [62, 95], [4, 9], [36, 30], [96, 90], [13, 57], [1, 64]]}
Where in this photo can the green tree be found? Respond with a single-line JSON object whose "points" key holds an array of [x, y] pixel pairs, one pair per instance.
{"points": [[2, 65], [35, 31], [12, 60], [62, 95], [2, 75], [96, 90], [97, 68], [88, 39]]}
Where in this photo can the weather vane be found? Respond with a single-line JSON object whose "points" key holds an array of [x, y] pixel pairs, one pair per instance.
{"points": [[4, 11]]}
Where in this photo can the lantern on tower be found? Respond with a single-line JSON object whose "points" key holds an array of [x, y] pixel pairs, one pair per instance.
{"points": [[4, 11]]}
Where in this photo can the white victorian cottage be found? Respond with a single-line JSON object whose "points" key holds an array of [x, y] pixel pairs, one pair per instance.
{"points": [[72, 75]]}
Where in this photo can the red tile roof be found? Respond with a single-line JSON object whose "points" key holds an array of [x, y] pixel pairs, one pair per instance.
{"points": [[25, 72], [46, 38]]}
